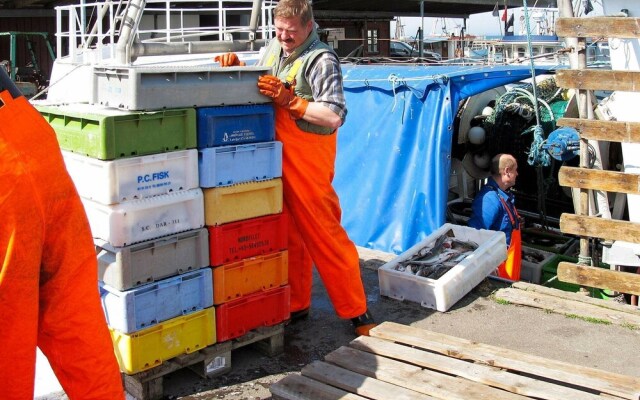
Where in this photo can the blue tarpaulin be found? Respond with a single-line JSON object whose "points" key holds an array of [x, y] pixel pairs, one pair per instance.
{"points": [[394, 150]]}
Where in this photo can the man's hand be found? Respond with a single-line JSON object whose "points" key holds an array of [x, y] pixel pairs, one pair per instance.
{"points": [[273, 87], [229, 60]]}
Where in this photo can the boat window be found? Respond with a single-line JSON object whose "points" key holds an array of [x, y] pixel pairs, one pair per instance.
{"points": [[521, 51], [372, 41], [549, 50]]}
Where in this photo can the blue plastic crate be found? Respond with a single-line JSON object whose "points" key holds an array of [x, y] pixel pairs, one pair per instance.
{"points": [[147, 305], [231, 125], [228, 165]]}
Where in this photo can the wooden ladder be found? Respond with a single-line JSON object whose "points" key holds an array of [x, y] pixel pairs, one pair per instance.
{"points": [[583, 79]]}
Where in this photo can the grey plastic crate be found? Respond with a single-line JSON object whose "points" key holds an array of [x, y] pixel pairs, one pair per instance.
{"points": [[126, 267], [155, 88], [532, 262]]}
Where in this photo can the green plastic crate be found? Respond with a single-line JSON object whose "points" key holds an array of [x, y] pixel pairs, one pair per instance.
{"points": [[109, 134], [550, 271]]}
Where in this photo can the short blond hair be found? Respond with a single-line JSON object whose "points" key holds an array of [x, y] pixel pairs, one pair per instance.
{"points": [[294, 8]]}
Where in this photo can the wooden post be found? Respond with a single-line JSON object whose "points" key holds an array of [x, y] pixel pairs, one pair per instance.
{"points": [[578, 60]]}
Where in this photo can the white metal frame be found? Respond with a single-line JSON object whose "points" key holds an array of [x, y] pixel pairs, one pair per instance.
{"points": [[85, 40]]}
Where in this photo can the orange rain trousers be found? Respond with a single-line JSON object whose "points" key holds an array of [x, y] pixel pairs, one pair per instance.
{"points": [[48, 278], [315, 234]]}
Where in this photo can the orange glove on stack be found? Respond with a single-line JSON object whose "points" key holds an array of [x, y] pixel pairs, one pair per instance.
{"points": [[272, 86], [229, 60]]}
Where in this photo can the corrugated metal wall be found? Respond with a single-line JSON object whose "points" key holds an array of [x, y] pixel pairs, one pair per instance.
{"points": [[28, 24]]}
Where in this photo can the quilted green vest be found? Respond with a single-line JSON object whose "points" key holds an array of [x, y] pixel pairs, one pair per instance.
{"points": [[292, 70]]}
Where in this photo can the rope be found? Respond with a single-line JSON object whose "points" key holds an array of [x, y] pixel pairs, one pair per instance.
{"points": [[395, 81], [537, 156]]}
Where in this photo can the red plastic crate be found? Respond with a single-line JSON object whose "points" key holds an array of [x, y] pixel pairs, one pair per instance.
{"points": [[248, 238], [251, 275], [237, 317]]}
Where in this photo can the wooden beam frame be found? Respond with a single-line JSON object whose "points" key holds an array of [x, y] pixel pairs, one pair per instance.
{"points": [[596, 27], [610, 131], [595, 179], [583, 225], [585, 79], [584, 275]]}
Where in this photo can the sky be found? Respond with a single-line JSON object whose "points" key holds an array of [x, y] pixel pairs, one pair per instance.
{"points": [[478, 24]]}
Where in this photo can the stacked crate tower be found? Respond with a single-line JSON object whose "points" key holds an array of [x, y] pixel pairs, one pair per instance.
{"points": [[138, 173], [240, 168]]}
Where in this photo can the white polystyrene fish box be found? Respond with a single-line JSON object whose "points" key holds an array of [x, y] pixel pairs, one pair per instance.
{"points": [[444, 292], [135, 221], [114, 181]]}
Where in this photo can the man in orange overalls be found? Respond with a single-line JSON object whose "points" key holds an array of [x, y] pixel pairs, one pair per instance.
{"points": [[49, 276], [306, 88], [494, 208]]}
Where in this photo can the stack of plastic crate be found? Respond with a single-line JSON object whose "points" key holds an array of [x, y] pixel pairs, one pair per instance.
{"points": [[137, 175], [240, 168]]}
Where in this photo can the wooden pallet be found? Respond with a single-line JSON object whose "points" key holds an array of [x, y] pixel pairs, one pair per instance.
{"points": [[571, 304], [402, 362], [209, 362]]}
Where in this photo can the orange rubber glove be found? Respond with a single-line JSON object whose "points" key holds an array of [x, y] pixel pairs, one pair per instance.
{"points": [[273, 87], [229, 60]]}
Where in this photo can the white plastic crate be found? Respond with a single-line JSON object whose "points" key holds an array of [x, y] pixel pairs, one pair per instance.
{"points": [[442, 293], [135, 221], [110, 182], [125, 267]]}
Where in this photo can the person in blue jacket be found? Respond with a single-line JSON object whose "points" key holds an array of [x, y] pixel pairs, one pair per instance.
{"points": [[494, 208]]}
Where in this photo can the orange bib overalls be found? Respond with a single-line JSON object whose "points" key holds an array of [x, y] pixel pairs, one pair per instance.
{"points": [[315, 234]]}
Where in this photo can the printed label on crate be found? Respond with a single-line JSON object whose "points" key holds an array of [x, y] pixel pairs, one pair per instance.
{"points": [[110, 182], [248, 238]]}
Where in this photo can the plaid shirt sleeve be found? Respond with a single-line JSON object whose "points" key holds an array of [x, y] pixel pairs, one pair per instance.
{"points": [[325, 79]]}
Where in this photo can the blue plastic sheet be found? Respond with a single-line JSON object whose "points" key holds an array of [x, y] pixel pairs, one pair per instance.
{"points": [[394, 150]]}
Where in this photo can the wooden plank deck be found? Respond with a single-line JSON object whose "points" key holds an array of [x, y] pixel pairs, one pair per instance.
{"points": [[403, 362]]}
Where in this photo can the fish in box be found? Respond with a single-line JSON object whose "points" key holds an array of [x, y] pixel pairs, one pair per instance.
{"points": [[397, 279]]}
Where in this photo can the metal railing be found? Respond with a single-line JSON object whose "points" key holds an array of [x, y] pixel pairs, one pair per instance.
{"points": [[92, 32]]}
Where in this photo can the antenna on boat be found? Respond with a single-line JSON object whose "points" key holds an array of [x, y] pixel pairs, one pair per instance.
{"points": [[399, 29]]}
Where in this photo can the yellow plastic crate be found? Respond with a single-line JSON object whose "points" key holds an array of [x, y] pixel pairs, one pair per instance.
{"points": [[149, 347], [254, 274], [242, 201]]}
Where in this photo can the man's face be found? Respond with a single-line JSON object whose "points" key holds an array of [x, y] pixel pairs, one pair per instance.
{"points": [[511, 174], [291, 33]]}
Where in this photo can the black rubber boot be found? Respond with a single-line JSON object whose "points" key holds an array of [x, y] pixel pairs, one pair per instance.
{"points": [[363, 324], [299, 315]]}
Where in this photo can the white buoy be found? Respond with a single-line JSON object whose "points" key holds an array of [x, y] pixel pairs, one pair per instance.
{"points": [[487, 111]]}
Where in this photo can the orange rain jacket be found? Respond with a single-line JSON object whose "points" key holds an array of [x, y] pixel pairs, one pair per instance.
{"points": [[48, 277]]}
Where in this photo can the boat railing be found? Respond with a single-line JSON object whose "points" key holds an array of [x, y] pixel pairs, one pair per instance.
{"points": [[99, 33]]}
